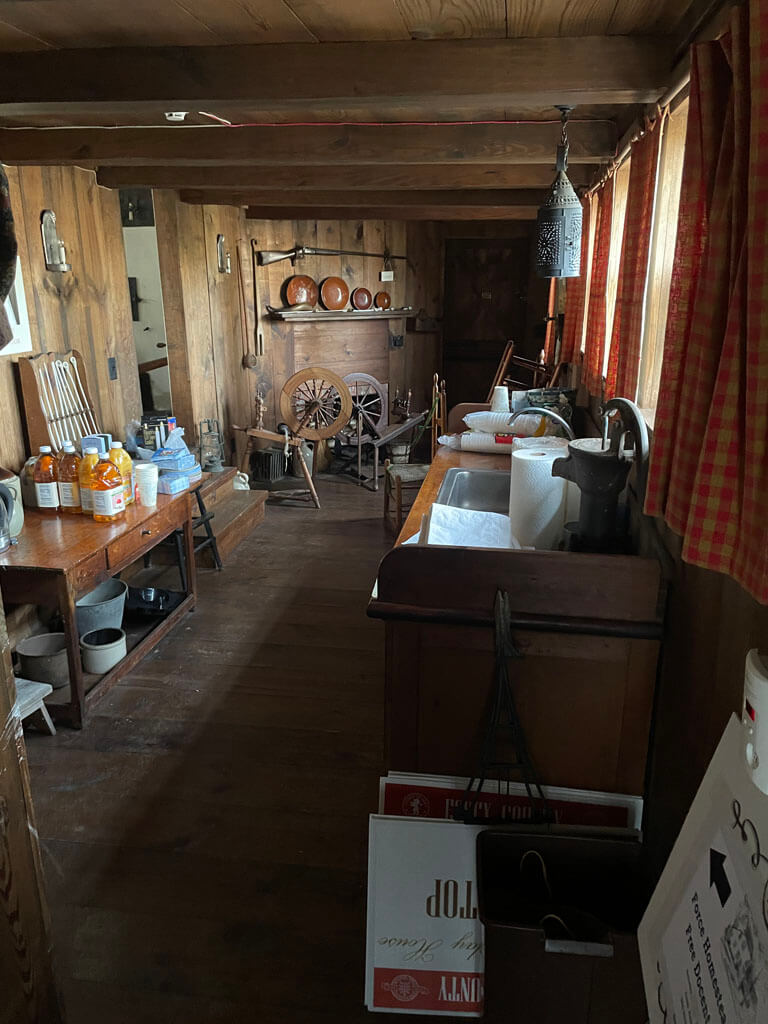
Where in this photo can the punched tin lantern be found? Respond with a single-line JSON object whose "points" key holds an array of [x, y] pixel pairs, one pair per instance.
{"points": [[558, 239]]}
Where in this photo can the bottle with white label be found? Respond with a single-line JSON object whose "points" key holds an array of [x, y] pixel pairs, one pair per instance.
{"points": [[107, 491], [88, 463], [69, 480], [46, 477]]}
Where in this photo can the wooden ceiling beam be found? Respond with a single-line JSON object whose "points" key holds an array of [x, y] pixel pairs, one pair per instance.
{"points": [[404, 198], [451, 213], [529, 143], [413, 176], [549, 71]]}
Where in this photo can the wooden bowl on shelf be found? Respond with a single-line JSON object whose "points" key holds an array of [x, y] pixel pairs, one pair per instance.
{"points": [[362, 298], [334, 293], [383, 300], [300, 290]]}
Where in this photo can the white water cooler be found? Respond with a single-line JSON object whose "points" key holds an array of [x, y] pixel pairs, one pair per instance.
{"points": [[754, 717]]}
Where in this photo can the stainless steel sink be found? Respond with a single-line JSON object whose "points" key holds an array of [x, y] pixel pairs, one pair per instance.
{"points": [[485, 490]]}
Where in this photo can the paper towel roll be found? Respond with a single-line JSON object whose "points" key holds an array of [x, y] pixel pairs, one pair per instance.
{"points": [[536, 498], [500, 400]]}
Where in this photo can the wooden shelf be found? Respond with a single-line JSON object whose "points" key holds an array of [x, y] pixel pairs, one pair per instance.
{"points": [[303, 316]]}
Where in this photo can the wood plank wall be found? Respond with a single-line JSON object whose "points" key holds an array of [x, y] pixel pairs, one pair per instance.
{"points": [[203, 319], [87, 308]]}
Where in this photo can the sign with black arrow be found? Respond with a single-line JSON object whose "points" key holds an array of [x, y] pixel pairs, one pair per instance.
{"points": [[718, 877]]}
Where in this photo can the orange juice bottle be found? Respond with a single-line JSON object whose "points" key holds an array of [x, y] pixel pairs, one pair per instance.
{"points": [[46, 478], [122, 460], [87, 466], [69, 480], [107, 491]]}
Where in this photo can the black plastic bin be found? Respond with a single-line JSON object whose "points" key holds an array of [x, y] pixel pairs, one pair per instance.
{"points": [[539, 971]]}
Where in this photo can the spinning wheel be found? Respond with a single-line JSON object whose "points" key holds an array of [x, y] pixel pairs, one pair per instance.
{"points": [[369, 401], [315, 403]]}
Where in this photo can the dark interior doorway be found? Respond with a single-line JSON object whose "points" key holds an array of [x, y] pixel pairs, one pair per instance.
{"points": [[486, 284]]}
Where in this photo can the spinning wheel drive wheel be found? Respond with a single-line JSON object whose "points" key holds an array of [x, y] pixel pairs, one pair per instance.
{"points": [[369, 401], [315, 403]]}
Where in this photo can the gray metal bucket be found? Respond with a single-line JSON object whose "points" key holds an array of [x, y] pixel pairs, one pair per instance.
{"points": [[102, 608], [44, 658]]}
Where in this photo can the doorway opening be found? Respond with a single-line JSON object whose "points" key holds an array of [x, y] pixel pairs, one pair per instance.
{"points": [[146, 292]]}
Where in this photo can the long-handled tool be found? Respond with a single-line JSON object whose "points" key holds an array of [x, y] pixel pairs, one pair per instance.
{"points": [[47, 407], [265, 257], [84, 398]]}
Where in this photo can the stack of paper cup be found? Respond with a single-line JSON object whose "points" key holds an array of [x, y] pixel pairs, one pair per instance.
{"points": [[500, 400], [145, 475]]}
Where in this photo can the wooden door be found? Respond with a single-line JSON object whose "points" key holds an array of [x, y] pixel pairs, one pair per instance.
{"points": [[486, 281], [27, 989]]}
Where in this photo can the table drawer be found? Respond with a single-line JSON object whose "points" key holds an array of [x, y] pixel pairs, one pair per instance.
{"points": [[132, 545]]}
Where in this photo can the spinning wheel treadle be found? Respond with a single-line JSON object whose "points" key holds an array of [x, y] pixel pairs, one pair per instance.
{"points": [[315, 403]]}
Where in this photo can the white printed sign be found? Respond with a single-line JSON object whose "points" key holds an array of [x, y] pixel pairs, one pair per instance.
{"points": [[425, 950], [704, 938], [15, 307]]}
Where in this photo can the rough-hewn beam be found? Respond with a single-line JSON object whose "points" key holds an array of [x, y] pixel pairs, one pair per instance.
{"points": [[532, 143], [404, 198], [452, 213], [593, 69], [436, 176]]}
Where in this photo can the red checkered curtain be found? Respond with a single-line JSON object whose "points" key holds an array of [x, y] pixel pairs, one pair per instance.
{"points": [[575, 292], [709, 465], [624, 359], [594, 348]]}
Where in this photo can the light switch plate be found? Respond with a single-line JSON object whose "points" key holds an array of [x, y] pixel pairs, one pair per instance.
{"points": [[386, 275], [112, 368]]}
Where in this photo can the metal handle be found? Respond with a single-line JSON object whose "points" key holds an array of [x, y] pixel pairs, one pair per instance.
{"points": [[145, 533]]}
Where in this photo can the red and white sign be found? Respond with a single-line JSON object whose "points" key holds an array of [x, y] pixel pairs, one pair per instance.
{"points": [[433, 796], [425, 951]]}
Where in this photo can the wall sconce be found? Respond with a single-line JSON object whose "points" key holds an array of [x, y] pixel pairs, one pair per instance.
{"points": [[222, 256], [558, 238], [53, 248]]}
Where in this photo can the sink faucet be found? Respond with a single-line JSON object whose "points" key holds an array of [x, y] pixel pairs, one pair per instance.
{"points": [[544, 412]]}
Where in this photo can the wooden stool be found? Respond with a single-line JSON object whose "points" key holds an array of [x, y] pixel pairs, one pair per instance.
{"points": [[399, 478], [30, 697]]}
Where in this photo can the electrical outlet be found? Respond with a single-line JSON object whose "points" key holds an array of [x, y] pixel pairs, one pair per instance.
{"points": [[112, 368], [386, 275], [395, 341]]}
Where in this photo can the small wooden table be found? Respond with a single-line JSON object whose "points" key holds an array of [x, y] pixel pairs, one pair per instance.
{"points": [[60, 558]]}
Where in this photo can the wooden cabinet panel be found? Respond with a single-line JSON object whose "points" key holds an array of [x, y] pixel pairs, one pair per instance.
{"points": [[86, 575]]}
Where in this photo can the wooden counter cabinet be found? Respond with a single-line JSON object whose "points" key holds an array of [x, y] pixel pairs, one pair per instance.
{"points": [[589, 628], [60, 558]]}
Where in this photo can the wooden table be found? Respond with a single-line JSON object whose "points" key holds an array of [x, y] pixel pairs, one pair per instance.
{"points": [[60, 558]]}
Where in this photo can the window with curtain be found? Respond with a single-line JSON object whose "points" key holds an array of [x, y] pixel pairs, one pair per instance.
{"points": [[588, 279], [621, 182], [661, 258]]}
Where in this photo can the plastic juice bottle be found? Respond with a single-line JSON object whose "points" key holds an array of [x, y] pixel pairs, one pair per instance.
{"points": [[69, 480], [107, 491], [122, 460], [46, 478], [87, 466]]}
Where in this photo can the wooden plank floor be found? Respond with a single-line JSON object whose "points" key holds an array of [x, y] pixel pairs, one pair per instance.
{"points": [[204, 837]]}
